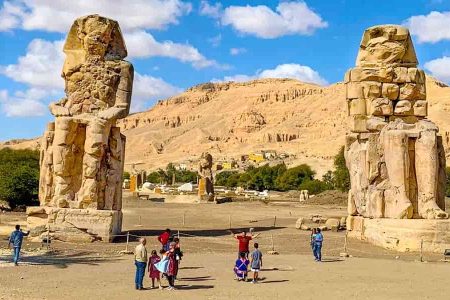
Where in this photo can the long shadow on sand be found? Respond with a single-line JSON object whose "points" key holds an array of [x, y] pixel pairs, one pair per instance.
{"points": [[197, 233], [194, 287], [63, 260], [199, 278]]}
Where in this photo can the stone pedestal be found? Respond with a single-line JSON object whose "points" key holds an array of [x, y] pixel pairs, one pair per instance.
{"points": [[73, 225], [402, 234]]}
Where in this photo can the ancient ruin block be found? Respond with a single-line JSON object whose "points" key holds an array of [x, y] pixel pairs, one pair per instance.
{"points": [[420, 108], [416, 76], [400, 74], [390, 91], [403, 108], [380, 107], [371, 89], [358, 123], [372, 74], [353, 90], [412, 91], [357, 107]]}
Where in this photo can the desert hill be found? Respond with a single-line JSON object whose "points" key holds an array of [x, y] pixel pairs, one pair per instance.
{"points": [[306, 122]]}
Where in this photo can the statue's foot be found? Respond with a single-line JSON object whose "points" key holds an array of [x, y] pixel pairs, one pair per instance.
{"points": [[435, 213], [405, 210]]}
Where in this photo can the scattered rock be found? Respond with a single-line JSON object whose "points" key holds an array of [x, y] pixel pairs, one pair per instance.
{"points": [[299, 223], [332, 223]]}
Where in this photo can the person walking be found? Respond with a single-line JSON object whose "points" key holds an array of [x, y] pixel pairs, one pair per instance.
{"points": [[318, 240], [244, 240], [256, 262], [172, 268], [16, 239], [140, 261], [164, 238]]}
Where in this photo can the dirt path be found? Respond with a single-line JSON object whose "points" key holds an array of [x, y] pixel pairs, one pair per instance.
{"points": [[98, 271]]}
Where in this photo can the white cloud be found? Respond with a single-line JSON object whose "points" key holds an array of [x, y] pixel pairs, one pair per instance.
{"points": [[215, 40], [213, 10], [430, 28], [439, 68], [147, 88], [40, 67], [58, 15], [290, 18], [143, 44], [295, 71], [237, 51], [24, 104]]}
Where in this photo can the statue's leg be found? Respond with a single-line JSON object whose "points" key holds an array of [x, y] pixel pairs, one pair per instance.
{"points": [[97, 133], [395, 145], [63, 158], [427, 170]]}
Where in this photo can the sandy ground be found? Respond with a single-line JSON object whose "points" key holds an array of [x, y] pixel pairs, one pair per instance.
{"points": [[99, 271]]}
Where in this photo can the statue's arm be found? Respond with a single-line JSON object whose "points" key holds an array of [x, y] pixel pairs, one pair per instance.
{"points": [[121, 107]]}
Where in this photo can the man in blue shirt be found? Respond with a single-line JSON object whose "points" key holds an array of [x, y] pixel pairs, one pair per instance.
{"points": [[318, 240], [16, 240]]}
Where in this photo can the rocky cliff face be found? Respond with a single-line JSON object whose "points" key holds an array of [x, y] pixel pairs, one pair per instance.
{"points": [[303, 120]]}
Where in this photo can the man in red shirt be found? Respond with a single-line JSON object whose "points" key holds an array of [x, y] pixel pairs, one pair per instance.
{"points": [[164, 238], [244, 239]]}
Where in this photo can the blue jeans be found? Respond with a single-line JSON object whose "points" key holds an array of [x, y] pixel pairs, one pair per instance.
{"points": [[318, 251], [140, 271], [16, 254]]}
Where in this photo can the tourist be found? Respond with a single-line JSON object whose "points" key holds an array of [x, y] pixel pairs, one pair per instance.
{"points": [[172, 268], [164, 238], [244, 240], [140, 260], [153, 272], [240, 267], [311, 240], [178, 252], [256, 262], [318, 240], [16, 239]]}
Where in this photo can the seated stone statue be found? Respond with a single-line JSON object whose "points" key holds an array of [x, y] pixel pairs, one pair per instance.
{"points": [[394, 154], [87, 148], [206, 175]]}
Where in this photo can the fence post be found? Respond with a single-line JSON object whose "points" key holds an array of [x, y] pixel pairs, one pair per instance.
{"points": [[421, 250], [184, 218], [274, 221], [48, 237], [273, 246], [229, 220], [128, 240]]}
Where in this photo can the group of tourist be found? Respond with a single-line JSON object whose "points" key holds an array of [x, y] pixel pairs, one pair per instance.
{"points": [[165, 265]]}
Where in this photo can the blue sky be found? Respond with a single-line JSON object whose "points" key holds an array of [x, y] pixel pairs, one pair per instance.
{"points": [[175, 44]]}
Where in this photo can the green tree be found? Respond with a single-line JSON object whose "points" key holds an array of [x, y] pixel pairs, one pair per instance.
{"points": [[19, 176], [292, 178], [341, 175], [126, 175], [154, 177], [315, 186]]}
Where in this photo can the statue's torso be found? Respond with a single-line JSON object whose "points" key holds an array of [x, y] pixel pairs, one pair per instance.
{"points": [[92, 87]]}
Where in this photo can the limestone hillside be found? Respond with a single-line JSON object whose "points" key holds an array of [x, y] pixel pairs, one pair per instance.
{"points": [[306, 121]]}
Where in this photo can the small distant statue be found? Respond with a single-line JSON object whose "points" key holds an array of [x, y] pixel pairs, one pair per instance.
{"points": [[83, 152], [206, 183]]}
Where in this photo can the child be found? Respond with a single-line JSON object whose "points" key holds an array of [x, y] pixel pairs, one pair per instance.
{"points": [[240, 268], [256, 263], [318, 240], [152, 270]]}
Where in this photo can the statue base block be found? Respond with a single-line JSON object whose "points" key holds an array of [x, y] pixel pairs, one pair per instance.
{"points": [[402, 234], [73, 225]]}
